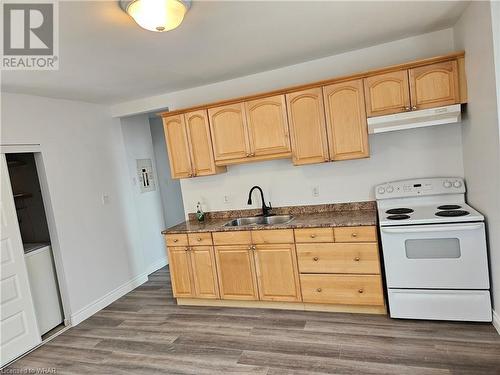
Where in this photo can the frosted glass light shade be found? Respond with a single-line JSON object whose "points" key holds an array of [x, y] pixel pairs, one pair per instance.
{"points": [[158, 15]]}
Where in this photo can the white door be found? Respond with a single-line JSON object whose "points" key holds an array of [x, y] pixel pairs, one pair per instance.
{"points": [[18, 327]]}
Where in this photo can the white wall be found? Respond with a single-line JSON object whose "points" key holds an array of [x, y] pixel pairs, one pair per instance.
{"points": [[171, 194], [481, 140], [417, 47], [83, 155], [148, 206], [416, 153]]}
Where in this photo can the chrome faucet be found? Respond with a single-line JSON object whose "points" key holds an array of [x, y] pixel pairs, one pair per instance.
{"points": [[265, 209]]}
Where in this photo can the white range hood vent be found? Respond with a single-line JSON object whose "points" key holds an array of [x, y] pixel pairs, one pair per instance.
{"points": [[414, 119]]}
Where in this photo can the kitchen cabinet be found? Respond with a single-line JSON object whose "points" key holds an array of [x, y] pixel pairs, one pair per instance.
{"points": [[434, 85], [277, 272], [236, 272], [267, 126], [180, 271], [189, 145], [346, 120], [306, 117], [228, 126], [387, 93], [204, 273]]}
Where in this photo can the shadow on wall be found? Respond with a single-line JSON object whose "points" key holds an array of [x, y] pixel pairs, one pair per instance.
{"points": [[170, 190]]}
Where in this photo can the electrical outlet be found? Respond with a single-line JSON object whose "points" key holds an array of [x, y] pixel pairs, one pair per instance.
{"points": [[315, 191], [226, 199], [105, 198]]}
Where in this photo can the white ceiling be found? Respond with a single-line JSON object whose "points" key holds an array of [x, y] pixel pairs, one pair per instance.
{"points": [[106, 58]]}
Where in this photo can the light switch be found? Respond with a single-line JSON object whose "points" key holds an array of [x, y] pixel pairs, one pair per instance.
{"points": [[315, 191], [105, 198]]}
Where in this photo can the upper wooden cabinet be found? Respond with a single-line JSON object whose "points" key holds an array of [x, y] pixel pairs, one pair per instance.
{"points": [[346, 120], [387, 93], [228, 125], [267, 126], [434, 85], [177, 146], [189, 145], [306, 117]]}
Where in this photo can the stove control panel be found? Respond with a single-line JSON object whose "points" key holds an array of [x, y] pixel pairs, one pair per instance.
{"points": [[420, 187]]}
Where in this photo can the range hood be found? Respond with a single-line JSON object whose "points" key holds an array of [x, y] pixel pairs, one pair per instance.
{"points": [[414, 119]]}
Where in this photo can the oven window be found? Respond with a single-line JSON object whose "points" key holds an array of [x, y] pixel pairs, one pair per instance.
{"points": [[433, 248]]}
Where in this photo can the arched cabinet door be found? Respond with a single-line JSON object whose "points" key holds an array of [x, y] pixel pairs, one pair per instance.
{"points": [[177, 146], [306, 117], [268, 126], [434, 85], [346, 120], [229, 132], [200, 144], [387, 93]]}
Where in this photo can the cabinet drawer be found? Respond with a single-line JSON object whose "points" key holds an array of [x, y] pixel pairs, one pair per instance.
{"points": [[314, 235], [200, 239], [342, 289], [232, 238], [356, 234], [272, 236], [338, 258], [177, 239]]}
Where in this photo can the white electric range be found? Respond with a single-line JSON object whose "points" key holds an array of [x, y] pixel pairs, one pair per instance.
{"points": [[434, 250]]}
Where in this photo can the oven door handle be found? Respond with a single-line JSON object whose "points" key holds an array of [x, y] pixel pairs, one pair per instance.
{"points": [[434, 228]]}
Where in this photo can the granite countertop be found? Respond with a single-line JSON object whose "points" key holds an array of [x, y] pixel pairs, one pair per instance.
{"points": [[334, 215]]}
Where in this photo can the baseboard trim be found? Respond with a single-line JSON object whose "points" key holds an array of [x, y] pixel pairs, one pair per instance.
{"points": [[381, 310], [107, 299], [496, 321], [157, 265]]}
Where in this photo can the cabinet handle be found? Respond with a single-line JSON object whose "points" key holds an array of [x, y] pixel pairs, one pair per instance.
{"points": [[315, 259], [313, 235], [357, 259], [360, 290], [354, 235], [318, 290], [414, 108]]}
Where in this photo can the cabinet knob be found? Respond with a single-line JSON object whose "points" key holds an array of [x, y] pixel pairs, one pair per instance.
{"points": [[250, 248], [186, 249], [360, 290], [356, 259], [318, 290], [313, 235], [252, 154], [354, 235], [406, 108], [254, 247], [248, 155], [199, 239], [176, 240], [414, 108], [315, 259]]}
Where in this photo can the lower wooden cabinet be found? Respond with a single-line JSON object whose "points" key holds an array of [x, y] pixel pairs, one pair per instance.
{"points": [[193, 272], [342, 289], [236, 272], [277, 272]]}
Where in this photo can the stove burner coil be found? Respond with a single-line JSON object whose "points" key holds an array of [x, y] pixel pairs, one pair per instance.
{"points": [[398, 217], [449, 207], [452, 213], [399, 211]]}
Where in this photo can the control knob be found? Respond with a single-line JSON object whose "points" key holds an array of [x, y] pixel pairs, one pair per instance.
{"points": [[447, 184], [457, 184], [381, 190], [389, 189]]}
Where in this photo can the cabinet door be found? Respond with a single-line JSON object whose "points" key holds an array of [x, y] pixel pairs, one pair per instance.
{"points": [[277, 272], [346, 120], [229, 132], [200, 143], [236, 272], [268, 126], [204, 272], [180, 271], [434, 85], [387, 93], [177, 146], [306, 117]]}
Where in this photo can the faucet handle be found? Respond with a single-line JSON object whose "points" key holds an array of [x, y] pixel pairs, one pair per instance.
{"points": [[270, 206]]}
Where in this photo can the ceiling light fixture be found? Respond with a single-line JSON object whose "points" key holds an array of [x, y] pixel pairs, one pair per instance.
{"points": [[156, 15]]}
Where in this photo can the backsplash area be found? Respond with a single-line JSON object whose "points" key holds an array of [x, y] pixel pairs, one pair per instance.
{"points": [[413, 153]]}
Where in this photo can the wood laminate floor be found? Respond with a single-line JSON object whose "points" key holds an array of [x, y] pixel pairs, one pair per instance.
{"points": [[145, 332]]}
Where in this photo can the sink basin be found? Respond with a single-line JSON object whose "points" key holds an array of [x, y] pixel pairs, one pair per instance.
{"points": [[259, 220]]}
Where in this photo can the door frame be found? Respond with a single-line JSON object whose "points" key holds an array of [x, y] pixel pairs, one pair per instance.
{"points": [[36, 150]]}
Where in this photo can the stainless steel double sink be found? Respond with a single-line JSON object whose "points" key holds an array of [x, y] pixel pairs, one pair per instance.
{"points": [[259, 220]]}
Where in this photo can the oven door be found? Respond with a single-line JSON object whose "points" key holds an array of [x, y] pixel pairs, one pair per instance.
{"points": [[440, 256]]}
